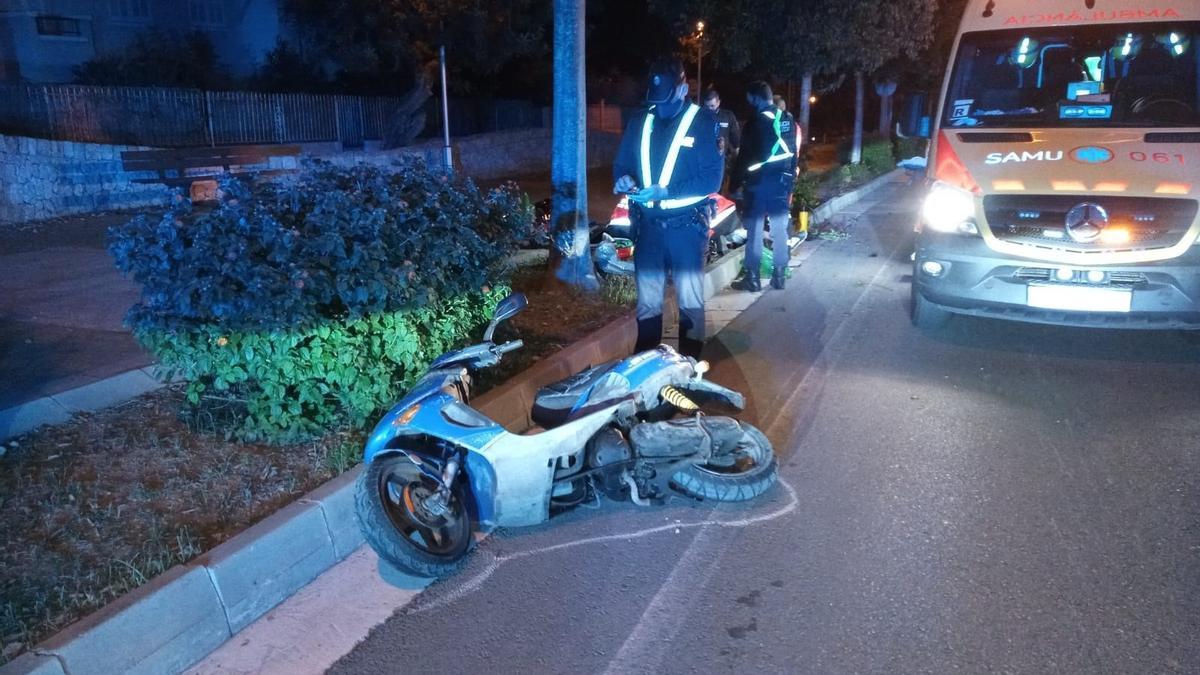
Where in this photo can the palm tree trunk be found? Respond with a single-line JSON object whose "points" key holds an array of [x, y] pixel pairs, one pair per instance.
{"points": [[805, 105], [571, 258], [859, 103]]}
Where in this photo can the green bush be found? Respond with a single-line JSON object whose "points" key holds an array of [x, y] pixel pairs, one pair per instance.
{"points": [[290, 384], [905, 148], [315, 301], [804, 193], [852, 175], [877, 155]]}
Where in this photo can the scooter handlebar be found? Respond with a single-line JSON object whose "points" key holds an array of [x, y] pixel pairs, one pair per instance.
{"points": [[508, 347]]}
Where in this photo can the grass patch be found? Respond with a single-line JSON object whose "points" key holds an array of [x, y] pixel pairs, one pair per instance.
{"points": [[619, 290]]}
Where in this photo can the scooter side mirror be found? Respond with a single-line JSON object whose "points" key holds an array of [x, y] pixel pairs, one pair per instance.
{"points": [[505, 309]]}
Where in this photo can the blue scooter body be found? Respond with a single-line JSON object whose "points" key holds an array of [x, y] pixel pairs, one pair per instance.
{"points": [[511, 476]]}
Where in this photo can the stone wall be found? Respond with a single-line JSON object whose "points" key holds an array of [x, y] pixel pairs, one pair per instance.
{"points": [[489, 156], [42, 179]]}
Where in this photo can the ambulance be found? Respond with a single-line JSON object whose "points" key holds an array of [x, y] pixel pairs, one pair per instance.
{"points": [[1064, 167]]}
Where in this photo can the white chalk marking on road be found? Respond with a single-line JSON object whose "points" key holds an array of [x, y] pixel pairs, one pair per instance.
{"points": [[476, 582]]}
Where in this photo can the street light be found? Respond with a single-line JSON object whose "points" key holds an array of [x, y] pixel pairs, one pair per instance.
{"points": [[699, 56], [812, 99]]}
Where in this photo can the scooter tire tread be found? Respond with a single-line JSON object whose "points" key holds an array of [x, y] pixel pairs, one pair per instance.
{"points": [[731, 488], [379, 532]]}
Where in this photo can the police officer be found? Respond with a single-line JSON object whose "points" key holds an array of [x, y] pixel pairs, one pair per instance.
{"points": [[730, 132], [668, 163], [766, 170]]}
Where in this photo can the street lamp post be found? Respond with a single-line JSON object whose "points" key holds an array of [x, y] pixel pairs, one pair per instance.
{"points": [[699, 58]]}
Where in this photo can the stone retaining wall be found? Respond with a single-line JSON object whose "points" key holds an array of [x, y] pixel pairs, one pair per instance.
{"points": [[41, 179], [489, 156]]}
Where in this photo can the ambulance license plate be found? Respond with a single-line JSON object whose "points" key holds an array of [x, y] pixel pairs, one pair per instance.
{"points": [[1080, 298]]}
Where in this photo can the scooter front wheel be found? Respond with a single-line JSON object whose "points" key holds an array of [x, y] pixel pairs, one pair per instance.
{"points": [[743, 474], [405, 525]]}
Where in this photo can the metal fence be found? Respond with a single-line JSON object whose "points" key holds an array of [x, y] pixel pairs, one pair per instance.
{"points": [[187, 117]]}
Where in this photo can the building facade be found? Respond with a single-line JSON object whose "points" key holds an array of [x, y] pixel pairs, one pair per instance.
{"points": [[44, 40]]}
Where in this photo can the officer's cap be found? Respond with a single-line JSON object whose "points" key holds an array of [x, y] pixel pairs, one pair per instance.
{"points": [[665, 75]]}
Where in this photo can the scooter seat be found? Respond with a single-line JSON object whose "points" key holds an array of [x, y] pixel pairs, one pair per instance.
{"points": [[560, 402]]}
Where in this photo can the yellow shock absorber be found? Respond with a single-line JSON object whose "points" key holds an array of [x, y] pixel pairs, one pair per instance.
{"points": [[678, 399]]}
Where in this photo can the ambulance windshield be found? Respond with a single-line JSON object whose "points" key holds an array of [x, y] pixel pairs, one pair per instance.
{"points": [[1131, 75]]}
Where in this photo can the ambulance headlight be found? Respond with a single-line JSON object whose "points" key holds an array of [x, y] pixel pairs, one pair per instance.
{"points": [[949, 209]]}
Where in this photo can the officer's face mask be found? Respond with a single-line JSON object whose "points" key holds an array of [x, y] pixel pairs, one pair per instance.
{"points": [[672, 107]]}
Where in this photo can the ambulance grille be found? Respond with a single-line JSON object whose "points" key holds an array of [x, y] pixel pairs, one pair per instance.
{"points": [[1040, 220]]}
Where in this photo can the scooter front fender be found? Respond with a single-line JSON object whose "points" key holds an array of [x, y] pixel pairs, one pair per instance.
{"points": [[512, 478]]}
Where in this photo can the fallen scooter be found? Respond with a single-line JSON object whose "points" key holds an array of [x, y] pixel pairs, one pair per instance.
{"points": [[434, 466]]}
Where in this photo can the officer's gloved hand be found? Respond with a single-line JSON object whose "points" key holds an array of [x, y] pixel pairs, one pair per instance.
{"points": [[624, 184], [649, 194]]}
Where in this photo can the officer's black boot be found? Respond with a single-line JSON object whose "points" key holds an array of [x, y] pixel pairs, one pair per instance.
{"points": [[777, 281], [690, 347], [649, 334], [749, 282]]}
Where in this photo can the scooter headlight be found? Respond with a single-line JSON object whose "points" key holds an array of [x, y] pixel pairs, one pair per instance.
{"points": [[950, 210]]}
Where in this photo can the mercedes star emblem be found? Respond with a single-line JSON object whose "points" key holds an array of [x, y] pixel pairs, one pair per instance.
{"points": [[1086, 221]]}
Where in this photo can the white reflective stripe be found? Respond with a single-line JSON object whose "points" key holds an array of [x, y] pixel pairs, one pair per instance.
{"points": [[769, 115], [676, 143], [775, 158], [647, 126], [722, 216], [680, 203]]}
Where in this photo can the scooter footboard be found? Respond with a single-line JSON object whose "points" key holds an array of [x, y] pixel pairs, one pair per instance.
{"points": [[518, 473]]}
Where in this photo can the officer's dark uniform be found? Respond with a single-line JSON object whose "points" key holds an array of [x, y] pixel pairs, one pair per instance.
{"points": [[731, 133], [766, 168], [672, 234]]}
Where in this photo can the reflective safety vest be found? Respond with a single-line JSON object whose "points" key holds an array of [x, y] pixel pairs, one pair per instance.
{"points": [[780, 150], [668, 169]]}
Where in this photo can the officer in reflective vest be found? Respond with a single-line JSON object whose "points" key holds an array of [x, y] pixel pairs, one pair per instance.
{"points": [[766, 170], [668, 163]]}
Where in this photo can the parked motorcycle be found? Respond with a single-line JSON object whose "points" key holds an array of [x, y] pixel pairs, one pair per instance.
{"points": [[434, 466]]}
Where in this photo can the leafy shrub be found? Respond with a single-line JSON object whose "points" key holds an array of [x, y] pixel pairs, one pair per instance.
{"points": [[852, 175], [877, 155], [335, 243], [804, 193], [289, 384], [904, 148], [314, 301]]}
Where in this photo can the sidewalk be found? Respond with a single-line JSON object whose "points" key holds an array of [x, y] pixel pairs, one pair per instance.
{"points": [[61, 310]]}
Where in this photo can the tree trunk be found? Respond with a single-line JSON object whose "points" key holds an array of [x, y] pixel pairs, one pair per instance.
{"points": [[805, 105], [570, 253], [886, 90], [859, 103]]}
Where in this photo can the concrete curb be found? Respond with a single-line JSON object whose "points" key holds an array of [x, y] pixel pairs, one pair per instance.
{"points": [[58, 408], [825, 211], [181, 616]]}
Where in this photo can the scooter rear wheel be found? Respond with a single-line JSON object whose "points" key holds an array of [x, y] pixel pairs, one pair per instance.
{"points": [[746, 473], [391, 499]]}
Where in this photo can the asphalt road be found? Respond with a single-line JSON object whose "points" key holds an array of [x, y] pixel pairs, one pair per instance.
{"points": [[989, 497]]}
